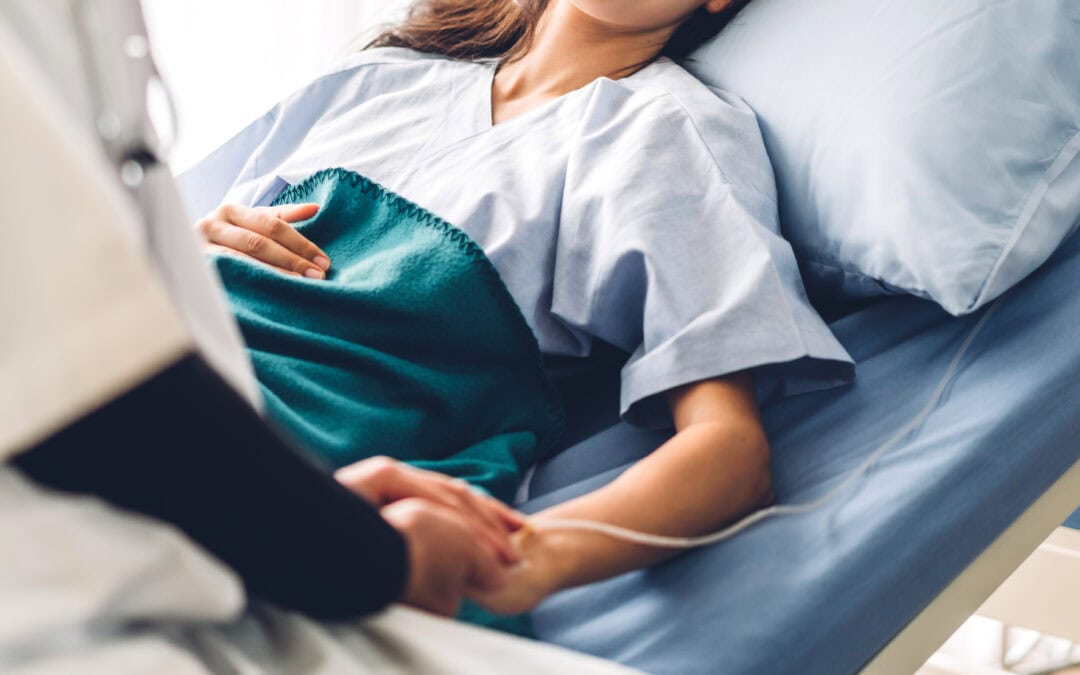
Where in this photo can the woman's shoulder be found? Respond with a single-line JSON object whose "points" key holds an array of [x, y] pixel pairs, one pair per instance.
{"points": [[399, 58], [688, 115], [668, 86], [375, 56], [370, 72]]}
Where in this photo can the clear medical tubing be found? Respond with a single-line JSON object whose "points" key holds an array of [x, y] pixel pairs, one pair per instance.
{"points": [[783, 509]]}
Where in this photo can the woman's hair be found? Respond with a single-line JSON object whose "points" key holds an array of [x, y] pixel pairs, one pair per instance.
{"points": [[504, 29]]}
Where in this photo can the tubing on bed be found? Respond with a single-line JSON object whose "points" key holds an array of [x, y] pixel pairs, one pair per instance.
{"points": [[661, 541]]}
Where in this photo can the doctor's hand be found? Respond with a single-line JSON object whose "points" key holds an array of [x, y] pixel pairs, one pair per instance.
{"points": [[383, 481], [266, 234], [447, 560]]}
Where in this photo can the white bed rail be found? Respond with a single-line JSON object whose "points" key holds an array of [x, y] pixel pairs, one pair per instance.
{"points": [[911, 648]]}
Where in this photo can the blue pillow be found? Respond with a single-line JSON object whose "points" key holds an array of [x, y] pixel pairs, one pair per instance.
{"points": [[920, 146]]}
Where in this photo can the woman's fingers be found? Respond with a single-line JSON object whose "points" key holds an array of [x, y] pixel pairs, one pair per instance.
{"points": [[276, 223], [514, 520], [491, 510], [486, 523], [266, 234], [228, 251], [294, 212], [447, 557], [262, 248], [486, 573]]}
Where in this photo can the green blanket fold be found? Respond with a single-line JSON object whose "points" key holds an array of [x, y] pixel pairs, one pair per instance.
{"points": [[412, 347]]}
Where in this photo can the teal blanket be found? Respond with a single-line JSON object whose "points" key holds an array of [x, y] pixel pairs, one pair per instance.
{"points": [[412, 347]]}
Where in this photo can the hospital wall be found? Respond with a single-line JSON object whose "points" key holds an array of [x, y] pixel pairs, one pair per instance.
{"points": [[228, 62]]}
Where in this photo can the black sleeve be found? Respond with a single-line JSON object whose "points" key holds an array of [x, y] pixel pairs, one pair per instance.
{"points": [[185, 448]]}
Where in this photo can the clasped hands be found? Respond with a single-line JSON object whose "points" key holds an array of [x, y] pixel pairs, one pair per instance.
{"points": [[461, 544]]}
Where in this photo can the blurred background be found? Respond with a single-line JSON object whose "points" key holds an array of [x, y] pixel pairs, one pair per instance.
{"points": [[229, 62]]}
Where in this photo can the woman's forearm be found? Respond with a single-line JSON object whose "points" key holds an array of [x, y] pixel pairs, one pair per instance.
{"points": [[715, 469], [703, 478]]}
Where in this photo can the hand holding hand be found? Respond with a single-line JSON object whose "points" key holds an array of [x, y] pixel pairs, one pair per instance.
{"points": [[382, 481], [528, 583], [447, 560], [459, 541]]}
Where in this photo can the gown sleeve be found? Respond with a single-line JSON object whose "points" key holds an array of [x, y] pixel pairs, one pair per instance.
{"points": [[669, 249]]}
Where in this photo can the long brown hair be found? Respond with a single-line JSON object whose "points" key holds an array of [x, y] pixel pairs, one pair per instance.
{"points": [[504, 29]]}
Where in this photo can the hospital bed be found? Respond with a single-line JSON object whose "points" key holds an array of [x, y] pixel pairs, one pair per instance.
{"points": [[877, 579], [889, 125], [110, 297]]}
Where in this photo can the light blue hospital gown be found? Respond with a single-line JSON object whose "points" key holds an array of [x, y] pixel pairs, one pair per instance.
{"points": [[637, 213]]}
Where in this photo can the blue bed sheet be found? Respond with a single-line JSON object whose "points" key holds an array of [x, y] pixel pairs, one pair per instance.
{"points": [[823, 592], [1073, 521]]}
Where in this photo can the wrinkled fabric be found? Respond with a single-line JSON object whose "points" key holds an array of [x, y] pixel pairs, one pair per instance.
{"points": [[411, 347], [640, 212], [920, 146], [822, 592]]}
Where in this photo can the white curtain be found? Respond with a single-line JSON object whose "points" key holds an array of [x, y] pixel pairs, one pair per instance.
{"points": [[228, 61]]}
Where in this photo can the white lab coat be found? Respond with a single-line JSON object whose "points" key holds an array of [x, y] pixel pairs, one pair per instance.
{"points": [[88, 311]]}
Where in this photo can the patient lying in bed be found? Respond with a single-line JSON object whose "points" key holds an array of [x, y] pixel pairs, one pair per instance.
{"points": [[412, 236]]}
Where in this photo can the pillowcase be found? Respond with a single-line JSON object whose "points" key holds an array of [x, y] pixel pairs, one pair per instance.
{"points": [[920, 146]]}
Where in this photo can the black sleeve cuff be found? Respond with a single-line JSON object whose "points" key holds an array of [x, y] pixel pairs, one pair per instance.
{"points": [[185, 448]]}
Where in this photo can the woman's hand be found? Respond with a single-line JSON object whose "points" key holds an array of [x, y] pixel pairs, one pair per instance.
{"points": [[447, 560], [266, 234], [384, 481], [539, 574], [711, 472]]}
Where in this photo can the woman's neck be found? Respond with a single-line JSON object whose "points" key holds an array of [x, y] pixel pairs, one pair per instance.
{"points": [[570, 50]]}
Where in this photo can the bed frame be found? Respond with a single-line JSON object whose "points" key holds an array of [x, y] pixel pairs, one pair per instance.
{"points": [[1043, 594], [1024, 590]]}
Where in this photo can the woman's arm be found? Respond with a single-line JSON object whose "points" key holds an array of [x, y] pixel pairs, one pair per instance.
{"points": [[713, 470]]}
